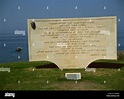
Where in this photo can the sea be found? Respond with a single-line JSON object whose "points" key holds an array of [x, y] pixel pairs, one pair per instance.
{"points": [[10, 41]]}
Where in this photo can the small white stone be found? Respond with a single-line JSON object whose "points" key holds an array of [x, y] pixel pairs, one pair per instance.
{"points": [[104, 81], [18, 81], [76, 82], [119, 69], [47, 81], [33, 69]]}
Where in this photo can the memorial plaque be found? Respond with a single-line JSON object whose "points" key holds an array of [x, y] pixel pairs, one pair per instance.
{"points": [[72, 43]]}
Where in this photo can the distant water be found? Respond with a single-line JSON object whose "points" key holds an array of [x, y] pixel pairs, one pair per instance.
{"points": [[8, 45], [9, 42]]}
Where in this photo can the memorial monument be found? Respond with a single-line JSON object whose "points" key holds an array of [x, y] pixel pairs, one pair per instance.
{"points": [[72, 43]]}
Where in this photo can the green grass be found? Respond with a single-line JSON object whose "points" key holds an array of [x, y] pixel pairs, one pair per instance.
{"points": [[54, 78]]}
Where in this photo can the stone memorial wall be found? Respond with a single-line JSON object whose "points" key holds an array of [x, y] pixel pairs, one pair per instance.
{"points": [[72, 43]]}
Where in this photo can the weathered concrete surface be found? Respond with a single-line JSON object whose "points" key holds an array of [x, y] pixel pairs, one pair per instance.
{"points": [[72, 42]]}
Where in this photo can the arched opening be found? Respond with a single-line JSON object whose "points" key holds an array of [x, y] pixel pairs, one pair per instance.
{"points": [[104, 63], [47, 64]]}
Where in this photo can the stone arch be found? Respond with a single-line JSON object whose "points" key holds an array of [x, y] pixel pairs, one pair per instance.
{"points": [[92, 64], [50, 64]]}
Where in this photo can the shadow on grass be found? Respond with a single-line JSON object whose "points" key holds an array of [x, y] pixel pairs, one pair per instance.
{"points": [[105, 65], [52, 65], [92, 65]]}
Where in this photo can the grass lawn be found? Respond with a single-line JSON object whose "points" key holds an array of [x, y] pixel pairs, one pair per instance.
{"points": [[24, 76]]}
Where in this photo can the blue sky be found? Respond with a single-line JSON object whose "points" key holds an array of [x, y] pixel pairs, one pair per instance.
{"points": [[14, 13]]}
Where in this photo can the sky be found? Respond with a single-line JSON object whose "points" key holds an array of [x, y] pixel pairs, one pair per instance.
{"points": [[14, 13]]}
